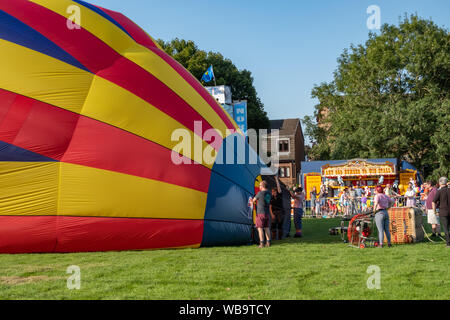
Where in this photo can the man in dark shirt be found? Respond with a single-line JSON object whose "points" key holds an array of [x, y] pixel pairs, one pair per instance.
{"points": [[442, 201], [276, 211]]}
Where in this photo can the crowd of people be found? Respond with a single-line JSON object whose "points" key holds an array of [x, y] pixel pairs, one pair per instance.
{"points": [[437, 203], [360, 199], [270, 213]]}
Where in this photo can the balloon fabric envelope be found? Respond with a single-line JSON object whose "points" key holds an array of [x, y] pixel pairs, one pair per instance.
{"points": [[88, 108]]}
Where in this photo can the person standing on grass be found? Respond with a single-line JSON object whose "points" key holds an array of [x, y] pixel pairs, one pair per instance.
{"points": [[298, 197], [441, 200], [322, 198], [313, 196], [364, 203], [389, 191], [381, 203], [346, 201], [352, 198], [277, 211], [359, 193], [410, 197], [432, 217], [262, 200]]}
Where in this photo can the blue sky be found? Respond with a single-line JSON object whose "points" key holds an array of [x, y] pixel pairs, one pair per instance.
{"points": [[289, 46]]}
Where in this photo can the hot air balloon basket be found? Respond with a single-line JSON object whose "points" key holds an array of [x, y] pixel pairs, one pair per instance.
{"points": [[405, 225]]}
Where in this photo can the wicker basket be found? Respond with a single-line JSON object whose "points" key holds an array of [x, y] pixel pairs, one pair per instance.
{"points": [[405, 225]]}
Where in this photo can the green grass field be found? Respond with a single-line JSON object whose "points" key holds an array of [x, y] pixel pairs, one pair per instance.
{"points": [[317, 266]]}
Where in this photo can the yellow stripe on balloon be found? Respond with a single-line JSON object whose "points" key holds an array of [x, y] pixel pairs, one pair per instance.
{"points": [[123, 44], [70, 88], [153, 64], [119, 107], [258, 181], [154, 41], [29, 188], [86, 191], [43, 78]]}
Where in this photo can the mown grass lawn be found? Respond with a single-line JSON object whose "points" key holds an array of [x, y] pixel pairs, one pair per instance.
{"points": [[317, 266]]}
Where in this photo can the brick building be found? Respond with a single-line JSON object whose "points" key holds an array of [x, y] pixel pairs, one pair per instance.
{"points": [[291, 148]]}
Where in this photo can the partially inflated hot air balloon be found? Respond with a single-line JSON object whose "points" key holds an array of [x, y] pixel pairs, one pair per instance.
{"points": [[87, 114]]}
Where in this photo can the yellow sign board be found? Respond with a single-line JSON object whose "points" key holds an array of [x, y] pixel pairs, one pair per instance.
{"points": [[311, 182], [404, 180], [359, 168]]}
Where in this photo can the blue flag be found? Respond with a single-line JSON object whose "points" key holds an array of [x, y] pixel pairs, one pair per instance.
{"points": [[208, 75]]}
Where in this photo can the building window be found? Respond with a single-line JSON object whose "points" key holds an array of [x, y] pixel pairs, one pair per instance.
{"points": [[283, 145], [284, 172]]}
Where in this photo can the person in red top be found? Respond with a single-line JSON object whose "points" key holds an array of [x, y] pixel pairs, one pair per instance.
{"points": [[381, 203]]}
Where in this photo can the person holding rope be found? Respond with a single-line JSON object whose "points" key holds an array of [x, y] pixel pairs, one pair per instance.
{"points": [[381, 203], [277, 211]]}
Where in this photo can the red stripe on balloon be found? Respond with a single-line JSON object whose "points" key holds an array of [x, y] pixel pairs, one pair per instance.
{"points": [[15, 118], [6, 100], [187, 76], [54, 27], [66, 136], [28, 234], [102, 60], [36, 126], [23, 234], [143, 39], [139, 35], [102, 146], [135, 79]]}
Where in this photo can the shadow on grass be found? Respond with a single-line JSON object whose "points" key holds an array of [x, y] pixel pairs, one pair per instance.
{"points": [[314, 231]]}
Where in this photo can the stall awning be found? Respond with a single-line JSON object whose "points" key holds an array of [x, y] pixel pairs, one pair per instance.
{"points": [[358, 168]]}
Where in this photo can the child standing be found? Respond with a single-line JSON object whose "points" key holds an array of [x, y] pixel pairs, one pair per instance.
{"points": [[298, 197]]}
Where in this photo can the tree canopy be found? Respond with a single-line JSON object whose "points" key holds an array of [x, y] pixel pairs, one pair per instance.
{"points": [[388, 98], [196, 61]]}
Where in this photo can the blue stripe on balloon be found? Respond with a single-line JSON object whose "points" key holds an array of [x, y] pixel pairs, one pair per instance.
{"points": [[218, 233], [14, 30], [227, 201], [242, 170], [103, 14], [228, 216], [9, 152]]}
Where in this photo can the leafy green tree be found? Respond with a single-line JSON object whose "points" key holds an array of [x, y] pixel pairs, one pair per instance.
{"points": [[389, 98], [196, 61]]}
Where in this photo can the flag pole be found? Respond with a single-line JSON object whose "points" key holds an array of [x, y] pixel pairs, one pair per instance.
{"points": [[215, 84]]}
